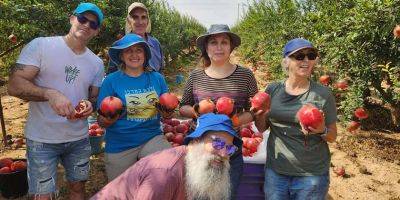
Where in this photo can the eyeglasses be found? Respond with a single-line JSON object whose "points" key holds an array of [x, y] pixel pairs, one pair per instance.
{"points": [[92, 24], [301, 56], [219, 144]]}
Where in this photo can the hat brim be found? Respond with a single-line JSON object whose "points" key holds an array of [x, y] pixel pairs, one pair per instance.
{"points": [[115, 51], [294, 51], [199, 132], [200, 41]]}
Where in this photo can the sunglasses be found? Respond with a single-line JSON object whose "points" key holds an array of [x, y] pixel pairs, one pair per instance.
{"points": [[92, 24], [301, 56], [219, 144]]}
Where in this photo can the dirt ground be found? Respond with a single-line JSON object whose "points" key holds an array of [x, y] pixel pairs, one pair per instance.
{"points": [[371, 159]]}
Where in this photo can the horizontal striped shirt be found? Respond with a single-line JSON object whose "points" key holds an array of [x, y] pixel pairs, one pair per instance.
{"points": [[239, 86]]}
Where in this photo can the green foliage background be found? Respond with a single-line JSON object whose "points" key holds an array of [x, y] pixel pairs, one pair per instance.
{"points": [[355, 39], [28, 19]]}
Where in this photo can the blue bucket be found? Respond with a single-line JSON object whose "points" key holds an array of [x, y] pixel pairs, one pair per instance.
{"points": [[179, 79], [96, 143]]}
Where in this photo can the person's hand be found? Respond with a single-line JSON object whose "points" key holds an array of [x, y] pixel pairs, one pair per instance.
{"points": [[106, 121], [59, 103], [82, 111], [264, 108], [317, 130]]}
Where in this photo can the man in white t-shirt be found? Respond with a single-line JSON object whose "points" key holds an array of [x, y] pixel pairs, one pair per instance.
{"points": [[54, 74]]}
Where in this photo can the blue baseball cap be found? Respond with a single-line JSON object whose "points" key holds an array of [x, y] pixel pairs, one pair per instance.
{"points": [[295, 45], [125, 42], [89, 7], [214, 122]]}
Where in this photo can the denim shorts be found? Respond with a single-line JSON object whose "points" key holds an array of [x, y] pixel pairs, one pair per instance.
{"points": [[43, 159], [278, 186]]}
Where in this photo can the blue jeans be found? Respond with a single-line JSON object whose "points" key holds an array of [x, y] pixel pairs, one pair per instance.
{"points": [[43, 159], [278, 186], [235, 172]]}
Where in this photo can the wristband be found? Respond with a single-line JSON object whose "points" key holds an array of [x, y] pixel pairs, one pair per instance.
{"points": [[323, 134]]}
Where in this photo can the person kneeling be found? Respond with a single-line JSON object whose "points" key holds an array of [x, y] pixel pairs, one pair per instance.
{"points": [[199, 170]]}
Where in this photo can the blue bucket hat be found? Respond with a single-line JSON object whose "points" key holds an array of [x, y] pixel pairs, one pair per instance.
{"points": [[295, 45], [125, 42], [89, 7], [214, 122]]}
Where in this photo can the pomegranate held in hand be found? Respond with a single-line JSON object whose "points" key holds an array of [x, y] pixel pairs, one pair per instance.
{"points": [[80, 108], [110, 106], [310, 116], [260, 99], [169, 101], [225, 105]]}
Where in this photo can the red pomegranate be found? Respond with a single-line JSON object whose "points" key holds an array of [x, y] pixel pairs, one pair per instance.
{"points": [[169, 101], [310, 116], [12, 38], [225, 105], [110, 106], [396, 31], [18, 165], [360, 113], [353, 126], [260, 99], [324, 79], [80, 108], [206, 106], [245, 132], [342, 84]]}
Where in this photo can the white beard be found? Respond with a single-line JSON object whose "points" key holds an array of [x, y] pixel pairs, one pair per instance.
{"points": [[203, 180]]}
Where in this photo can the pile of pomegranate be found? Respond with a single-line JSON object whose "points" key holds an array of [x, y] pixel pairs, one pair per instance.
{"points": [[95, 130], [8, 165], [175, 130], [251, 140]]}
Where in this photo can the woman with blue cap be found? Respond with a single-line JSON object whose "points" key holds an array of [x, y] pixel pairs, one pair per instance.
{"points": [[136, 132], [219, 77], [298, 157]]}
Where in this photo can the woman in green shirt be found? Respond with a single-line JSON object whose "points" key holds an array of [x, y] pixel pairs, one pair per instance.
{"points": [[298, 157]]}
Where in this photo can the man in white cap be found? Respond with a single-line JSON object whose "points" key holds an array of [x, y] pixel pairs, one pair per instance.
{"points": [[138, 22], [56, 74], [197, 171]]}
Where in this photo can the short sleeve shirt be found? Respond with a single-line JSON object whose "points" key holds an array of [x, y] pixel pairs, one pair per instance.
{"points": [[287, 152]]}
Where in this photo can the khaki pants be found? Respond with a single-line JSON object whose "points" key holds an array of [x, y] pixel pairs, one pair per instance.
{"points": [[117, 163]]}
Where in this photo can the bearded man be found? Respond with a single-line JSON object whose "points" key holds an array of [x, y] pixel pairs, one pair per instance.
{"points": [[199, 170]]}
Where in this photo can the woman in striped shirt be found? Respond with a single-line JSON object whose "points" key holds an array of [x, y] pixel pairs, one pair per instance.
{"points": [[221, 78]]}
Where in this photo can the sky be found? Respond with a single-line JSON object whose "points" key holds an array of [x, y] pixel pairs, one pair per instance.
{"points": [[209, 12]]}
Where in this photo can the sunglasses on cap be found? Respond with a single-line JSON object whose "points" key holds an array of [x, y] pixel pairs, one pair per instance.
{"points": [[92, 24], [219, 144], [301, 56]]}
